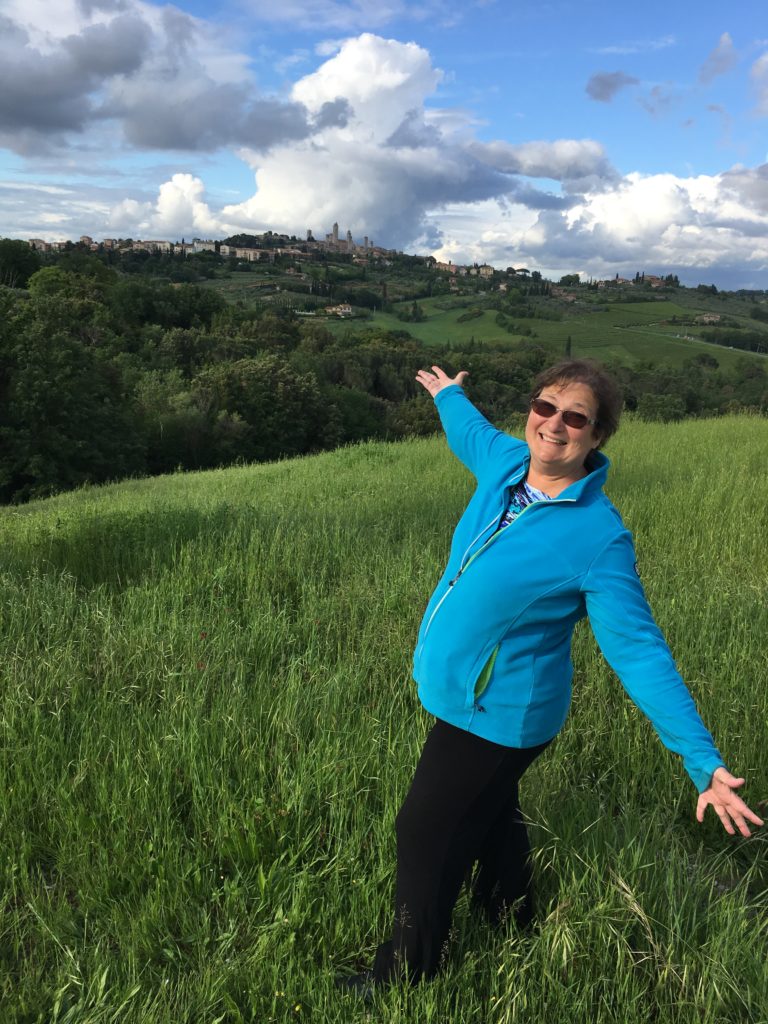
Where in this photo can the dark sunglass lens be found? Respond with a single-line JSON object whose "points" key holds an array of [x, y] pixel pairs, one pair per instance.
{"points": [[577, 420], [542, 408]]}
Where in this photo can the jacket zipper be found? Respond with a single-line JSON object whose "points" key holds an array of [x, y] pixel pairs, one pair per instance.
{"points": [[463, 567], [453, 581]]}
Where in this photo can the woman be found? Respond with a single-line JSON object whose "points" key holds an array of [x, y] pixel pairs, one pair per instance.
{"points": [[538, 547]]}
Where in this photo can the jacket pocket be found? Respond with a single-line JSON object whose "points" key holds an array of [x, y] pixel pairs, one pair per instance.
{"points": [[481, 683]]}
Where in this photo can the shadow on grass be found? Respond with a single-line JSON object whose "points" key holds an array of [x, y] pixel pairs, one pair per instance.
{"points": [[122, 548]]}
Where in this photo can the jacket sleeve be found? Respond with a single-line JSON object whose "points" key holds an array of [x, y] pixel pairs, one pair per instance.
{"points": [[634, 647], [471, 438]]}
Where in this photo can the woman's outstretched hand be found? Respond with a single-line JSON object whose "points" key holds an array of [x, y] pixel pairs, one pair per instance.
{"points": [[436, 380], [729, 807]]}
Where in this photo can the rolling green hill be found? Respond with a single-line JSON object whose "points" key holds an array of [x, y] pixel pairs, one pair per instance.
{"points": [[630, 325], [624, 332], [208, 725]]}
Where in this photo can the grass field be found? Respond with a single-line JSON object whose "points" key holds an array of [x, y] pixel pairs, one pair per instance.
{"points": [[208, 725]]}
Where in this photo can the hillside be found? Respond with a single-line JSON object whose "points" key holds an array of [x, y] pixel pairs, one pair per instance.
{"points": [[627, 324], [626, 333], [118, 366], [207, 727]]}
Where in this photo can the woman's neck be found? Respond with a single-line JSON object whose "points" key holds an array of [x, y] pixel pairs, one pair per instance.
{"points": [[555, 484]]}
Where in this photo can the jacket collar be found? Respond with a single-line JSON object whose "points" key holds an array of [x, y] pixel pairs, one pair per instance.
{"points": [[592, 483]]}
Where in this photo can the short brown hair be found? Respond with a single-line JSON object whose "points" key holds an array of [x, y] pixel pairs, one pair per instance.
{"points": [[607, 392]]}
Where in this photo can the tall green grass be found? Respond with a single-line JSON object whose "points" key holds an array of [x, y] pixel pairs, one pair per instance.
{"points": [[208, 725]]}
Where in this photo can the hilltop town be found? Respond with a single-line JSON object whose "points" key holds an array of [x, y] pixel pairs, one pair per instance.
{"points": [[269, 246]]}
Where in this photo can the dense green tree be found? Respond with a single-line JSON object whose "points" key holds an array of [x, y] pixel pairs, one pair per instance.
{"points": [[86, 264], [359, 415], [176, 430], [18, 262], [666, 408], [65, 416], [284, 411], [185, 349], [54, 281], [276, 333], [416, 417], [136, 301]]}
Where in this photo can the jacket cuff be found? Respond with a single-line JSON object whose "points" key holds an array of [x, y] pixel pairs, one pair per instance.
{"points": [[702, 777], [445, 391]]}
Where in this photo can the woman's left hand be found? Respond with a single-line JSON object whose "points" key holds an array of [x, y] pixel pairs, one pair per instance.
{"points": [[729, 807]]}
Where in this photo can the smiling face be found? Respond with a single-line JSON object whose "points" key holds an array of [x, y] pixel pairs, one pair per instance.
{"points": [[558, 452]]}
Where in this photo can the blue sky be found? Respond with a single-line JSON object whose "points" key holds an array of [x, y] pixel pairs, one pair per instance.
{"points": [[592, 137]]}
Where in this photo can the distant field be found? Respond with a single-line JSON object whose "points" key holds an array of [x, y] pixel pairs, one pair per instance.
{"points": [[626, 332], [207, 725], [243, 287]]}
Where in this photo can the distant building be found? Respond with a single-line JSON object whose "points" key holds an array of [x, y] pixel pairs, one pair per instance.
{"points": [[344, 309], [613, 282], [247, 254], [151, 245]]}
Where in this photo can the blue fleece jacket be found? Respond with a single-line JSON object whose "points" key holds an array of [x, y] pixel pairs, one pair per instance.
{"points": [[493, 654]]}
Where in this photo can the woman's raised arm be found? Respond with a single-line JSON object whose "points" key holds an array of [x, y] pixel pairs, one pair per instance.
{"points": [[471, 438]]}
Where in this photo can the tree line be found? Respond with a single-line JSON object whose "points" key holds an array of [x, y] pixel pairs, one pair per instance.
{"points": [[106, 375]]}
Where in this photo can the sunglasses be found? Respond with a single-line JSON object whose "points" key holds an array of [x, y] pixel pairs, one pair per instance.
{"points": [[577, 420]]}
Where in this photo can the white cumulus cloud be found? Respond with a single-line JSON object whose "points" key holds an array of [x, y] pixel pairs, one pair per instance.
{"points": [[658, 222], [179, 209], [380, 170], [382, 80]]}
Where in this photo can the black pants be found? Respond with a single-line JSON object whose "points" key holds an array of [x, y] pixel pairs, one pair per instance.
{"points": [[462, 807]]}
